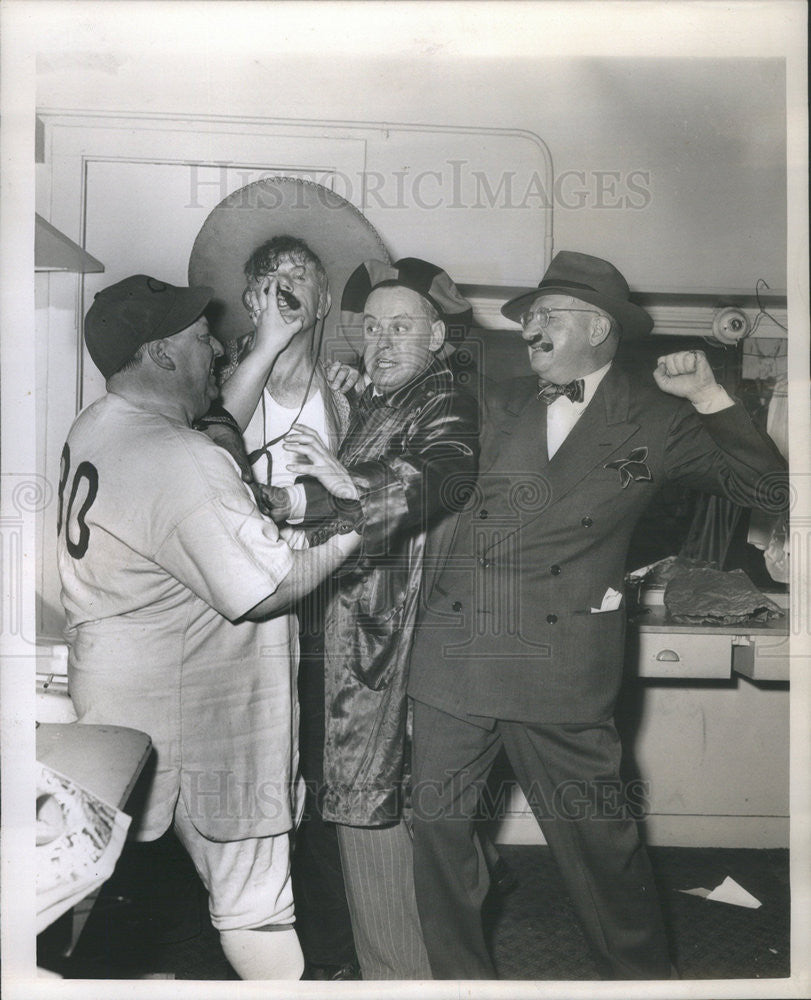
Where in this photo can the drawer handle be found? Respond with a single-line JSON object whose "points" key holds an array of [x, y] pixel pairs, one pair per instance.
{"points": [[667, 655]]}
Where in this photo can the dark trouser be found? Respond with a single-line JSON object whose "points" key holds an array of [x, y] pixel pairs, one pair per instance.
{"points": [[570, 776], [322, 914]]}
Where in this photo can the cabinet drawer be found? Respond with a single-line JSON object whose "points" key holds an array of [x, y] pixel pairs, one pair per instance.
{"points": [[681, 654], [761, 657]]}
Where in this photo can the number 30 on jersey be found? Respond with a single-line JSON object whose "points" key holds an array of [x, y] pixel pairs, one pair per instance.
{"points": [[83, 492]]}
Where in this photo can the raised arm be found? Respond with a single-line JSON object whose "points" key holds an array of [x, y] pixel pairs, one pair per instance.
{"points": [[714, 446], [241, 393]]}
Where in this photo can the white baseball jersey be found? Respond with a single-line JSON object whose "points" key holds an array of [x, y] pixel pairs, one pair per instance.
{"points": [[160, 549]]}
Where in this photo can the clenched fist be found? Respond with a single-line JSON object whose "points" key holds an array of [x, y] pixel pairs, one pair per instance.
{"points": [[275, 503], [688, 374]]}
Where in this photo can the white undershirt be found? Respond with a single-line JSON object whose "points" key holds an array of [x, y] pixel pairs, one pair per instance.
{"points": [[563, 414], [278, 420]]}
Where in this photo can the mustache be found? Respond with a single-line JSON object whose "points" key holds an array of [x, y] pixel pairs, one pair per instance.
{"points": [[534, 340]]}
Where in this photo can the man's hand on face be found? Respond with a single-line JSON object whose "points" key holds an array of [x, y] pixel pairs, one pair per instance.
{"points": [[688, 374], [273, 331], [341, 377]]}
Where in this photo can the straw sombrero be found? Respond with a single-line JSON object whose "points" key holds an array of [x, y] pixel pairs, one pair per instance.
{"points": [[333, 228]]}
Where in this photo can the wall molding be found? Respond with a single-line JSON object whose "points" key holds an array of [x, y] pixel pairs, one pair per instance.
{"points": [[668, 320]]}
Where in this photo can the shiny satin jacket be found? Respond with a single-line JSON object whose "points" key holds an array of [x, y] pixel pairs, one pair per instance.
{"points": [[413, 457]]}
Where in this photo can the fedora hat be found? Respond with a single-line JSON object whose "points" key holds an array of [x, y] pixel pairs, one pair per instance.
{"points": [[591, 280], [333, 228]]}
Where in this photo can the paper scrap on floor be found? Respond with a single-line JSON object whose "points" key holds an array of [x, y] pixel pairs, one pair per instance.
{"points": [[79, 839], [727, 892]]}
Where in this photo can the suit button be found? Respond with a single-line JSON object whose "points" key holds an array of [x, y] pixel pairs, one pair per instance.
{"points": [[555, 570], [587, 522], [483, 515], [485, 563], [457, 605], [551, 619]]}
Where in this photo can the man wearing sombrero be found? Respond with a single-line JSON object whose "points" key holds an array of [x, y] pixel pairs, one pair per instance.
{"points": [[522, 641], [288, 245]]}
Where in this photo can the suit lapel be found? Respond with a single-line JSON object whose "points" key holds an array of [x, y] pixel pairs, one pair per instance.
{"points": [[524, 447], [601, 430], [505, 407], [518, 408], [515, 431]]}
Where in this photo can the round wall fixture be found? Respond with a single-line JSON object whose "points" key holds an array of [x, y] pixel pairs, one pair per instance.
{"points": [[730, 325]]}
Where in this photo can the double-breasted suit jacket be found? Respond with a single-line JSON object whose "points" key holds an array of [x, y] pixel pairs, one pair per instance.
{"points": [[506, 629]]}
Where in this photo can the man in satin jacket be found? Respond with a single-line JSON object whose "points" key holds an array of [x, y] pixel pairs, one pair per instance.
{"points": [[408, 462], [521, 643]]}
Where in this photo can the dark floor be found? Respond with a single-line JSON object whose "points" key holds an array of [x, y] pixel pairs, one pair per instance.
{"points": [[151, 920]]}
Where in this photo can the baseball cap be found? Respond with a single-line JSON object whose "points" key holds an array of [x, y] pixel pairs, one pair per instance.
{"points": [[135, 311]]}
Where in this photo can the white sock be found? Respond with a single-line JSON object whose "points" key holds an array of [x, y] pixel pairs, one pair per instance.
{"points": [[264, 954]]}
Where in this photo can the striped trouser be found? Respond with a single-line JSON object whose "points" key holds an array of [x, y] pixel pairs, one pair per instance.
{"points": [[378, 864]]}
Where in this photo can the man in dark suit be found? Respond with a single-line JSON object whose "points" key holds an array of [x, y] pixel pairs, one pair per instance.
{"points": [[521, 642]]}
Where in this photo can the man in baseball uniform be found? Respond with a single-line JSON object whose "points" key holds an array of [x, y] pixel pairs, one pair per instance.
{"points": [[170, 581]]}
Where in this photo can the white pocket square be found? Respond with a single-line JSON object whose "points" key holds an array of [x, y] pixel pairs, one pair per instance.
{"points": [[611, 601]]}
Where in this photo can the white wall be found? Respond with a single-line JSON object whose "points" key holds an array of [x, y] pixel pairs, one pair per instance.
{"points": [[708, 134]]}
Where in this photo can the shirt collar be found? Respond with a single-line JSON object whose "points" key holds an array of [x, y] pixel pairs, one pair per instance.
{"points": [[436, 372]]}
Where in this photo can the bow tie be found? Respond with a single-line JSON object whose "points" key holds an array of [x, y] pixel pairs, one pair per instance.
{"points": [[549, 391]]}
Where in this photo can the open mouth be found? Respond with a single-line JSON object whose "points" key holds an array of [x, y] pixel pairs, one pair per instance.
{"points": [[385, 364]]}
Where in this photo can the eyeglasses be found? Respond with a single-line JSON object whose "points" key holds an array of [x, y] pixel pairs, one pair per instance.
{"points": [[542, 314]]}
